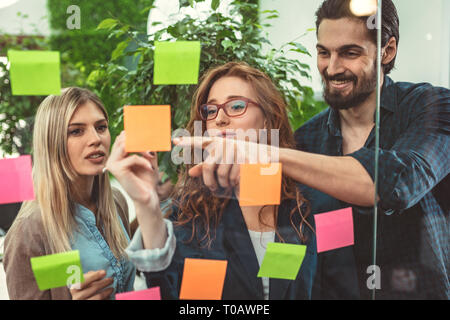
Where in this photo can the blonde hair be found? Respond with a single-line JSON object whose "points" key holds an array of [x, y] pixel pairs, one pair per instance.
{"points": [[53, 176]]}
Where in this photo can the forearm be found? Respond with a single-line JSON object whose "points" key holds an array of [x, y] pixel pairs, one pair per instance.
{"points": [[151, 222], [343, 178]]}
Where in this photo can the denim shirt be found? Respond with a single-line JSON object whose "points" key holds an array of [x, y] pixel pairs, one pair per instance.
{"points": [[95, 253]]}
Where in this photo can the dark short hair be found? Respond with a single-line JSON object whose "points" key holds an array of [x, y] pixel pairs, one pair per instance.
{"points": [[337, 9]]}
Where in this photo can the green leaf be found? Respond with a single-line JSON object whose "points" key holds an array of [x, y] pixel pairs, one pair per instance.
{"points": [[215, 4], [184, 3], [305, 66], [270, 11], [146, 10], [119, 49], [226, 44], [93, 76], [299, 48], [107, 24], [273, 16], [296, 83], [264, 40]]}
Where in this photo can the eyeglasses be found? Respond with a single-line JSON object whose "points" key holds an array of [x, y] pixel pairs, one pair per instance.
{"points": [[232, 108]]}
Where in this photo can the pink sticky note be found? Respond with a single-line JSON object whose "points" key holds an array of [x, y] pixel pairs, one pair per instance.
{"points": [[16, 182], [334, 229], [148, 294]]}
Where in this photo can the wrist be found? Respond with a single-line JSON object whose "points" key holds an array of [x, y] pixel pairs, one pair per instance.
{"points": [[150, 201], [149, 209], [282, 154], [153, 231]]}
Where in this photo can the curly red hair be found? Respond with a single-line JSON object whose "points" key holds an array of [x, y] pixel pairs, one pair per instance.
{"points": [[196, 203]]}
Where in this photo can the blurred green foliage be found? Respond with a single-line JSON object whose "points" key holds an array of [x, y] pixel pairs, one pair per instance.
{"points": [[17, 112], [237, 36], [88, 45], [113, 56]]}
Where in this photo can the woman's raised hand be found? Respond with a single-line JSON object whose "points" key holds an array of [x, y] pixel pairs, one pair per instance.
{"points": [[138, 174]]}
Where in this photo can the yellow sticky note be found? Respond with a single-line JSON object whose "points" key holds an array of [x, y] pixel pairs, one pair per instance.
{"points": [[260, 184], [203, 279], [147, 128]]}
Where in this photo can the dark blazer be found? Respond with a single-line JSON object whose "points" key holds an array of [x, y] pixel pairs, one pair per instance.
{"points": [[232, 243]]}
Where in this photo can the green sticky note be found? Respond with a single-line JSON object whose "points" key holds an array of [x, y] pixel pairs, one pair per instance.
{"points": [[34, 73], [282, 261], [57, 270], [176, 62]]}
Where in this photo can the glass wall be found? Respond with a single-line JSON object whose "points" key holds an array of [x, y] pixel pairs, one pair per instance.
{"points": [[299, 165]]}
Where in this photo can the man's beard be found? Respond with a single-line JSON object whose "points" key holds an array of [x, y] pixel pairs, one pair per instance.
{"points": [[362, 89]]}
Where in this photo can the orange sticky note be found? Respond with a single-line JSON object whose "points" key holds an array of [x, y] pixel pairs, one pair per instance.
{"points": [[147, 128], [203, 279], [260, 184]]}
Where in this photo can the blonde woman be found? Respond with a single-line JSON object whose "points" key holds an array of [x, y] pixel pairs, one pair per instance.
{"points": [[75, 207]]}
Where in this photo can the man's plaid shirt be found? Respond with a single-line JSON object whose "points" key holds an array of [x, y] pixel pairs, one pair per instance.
{"points": [[414, 190]]}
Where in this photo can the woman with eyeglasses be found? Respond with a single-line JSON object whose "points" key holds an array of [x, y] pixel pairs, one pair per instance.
{"points": [[207, 221]]}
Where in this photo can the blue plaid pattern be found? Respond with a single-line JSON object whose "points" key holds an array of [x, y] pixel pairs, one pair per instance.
{"points": [[414, 189]]}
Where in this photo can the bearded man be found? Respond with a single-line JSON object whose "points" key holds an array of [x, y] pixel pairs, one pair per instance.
{"points": [[413, 195], [334, 165]]}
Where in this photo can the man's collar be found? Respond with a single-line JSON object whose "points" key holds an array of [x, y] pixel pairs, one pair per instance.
{"points": [[388, 102], [388, 95], [333, 122]]}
